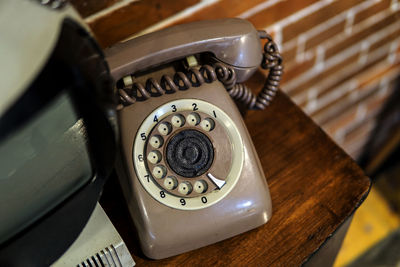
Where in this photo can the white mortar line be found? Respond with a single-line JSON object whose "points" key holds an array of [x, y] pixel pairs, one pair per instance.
{"points": [[368, 89], [278, 36], [311, 93], [303, 13], [365, 45], [338, 136], [319, 61], [331, 80], [384, 86], [382, 91], [354, 149], [109, 10], [301, 44], [329, 23], [300, 98], [363, 25], [254, 10], [291, 85], [335, 94], [348, 27], [392, 75], [180, 15], [394, 5], [361, 112], [393, 49], [317, 29], [311, 99], [353, 95], [297, 16]]}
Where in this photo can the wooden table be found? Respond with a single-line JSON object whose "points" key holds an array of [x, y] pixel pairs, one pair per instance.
{"points": [[315, 188]]}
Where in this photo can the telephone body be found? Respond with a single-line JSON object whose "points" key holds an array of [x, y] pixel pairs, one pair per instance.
{"points": [[187, 165]]}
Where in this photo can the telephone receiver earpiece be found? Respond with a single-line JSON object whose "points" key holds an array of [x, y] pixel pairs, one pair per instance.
{"points": [[234, 42]]}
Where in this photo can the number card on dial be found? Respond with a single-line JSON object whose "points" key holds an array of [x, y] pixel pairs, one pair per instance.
{"points": [[188, 154]]}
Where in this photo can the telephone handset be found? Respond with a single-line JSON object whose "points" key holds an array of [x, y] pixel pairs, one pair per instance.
{"points": [[187, 166]]}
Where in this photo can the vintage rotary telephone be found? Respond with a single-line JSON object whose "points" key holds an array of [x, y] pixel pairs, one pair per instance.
{"points": [[187, 166]]}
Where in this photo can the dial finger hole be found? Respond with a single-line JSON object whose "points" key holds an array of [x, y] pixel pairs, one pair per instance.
{"points": [[159, 172], [178, 120], [170, 182], [185, 188], [156, 141], [164, 128], [200, 186], [193, 119], [154, 157], [207, 124]]}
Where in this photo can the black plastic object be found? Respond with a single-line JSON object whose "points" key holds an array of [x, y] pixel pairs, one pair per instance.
{"points": [[75, 66], [190, 153]]}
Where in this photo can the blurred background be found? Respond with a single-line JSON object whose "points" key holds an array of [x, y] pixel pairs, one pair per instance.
{"points": [[341, 67]]}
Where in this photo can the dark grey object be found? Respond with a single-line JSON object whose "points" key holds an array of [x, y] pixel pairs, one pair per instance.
{"points": [[190, 153]]}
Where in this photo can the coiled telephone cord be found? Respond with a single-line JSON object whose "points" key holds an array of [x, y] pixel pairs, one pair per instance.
{"points": [[195, 77]]}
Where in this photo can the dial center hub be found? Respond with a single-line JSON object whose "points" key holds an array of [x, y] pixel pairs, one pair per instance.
{"points": [[190, 153]]}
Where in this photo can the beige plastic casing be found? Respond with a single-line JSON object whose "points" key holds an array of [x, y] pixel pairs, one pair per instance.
{"points": [[98, 244], [165, 231]]}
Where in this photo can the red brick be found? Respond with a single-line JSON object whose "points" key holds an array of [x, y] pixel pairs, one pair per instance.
{"points": [[89, 7], [325, 74], [372, 10], [316, 18], [278, 12], [350, 74], [373, 103], [360, 132], [303, 103], [325, 35], [359, 36], [391, 37], [366, 78], [342, 121], [363, 80], [297, 69], [376, 103], [289, 55], [135, 17], [336, 107], [221, 9]]}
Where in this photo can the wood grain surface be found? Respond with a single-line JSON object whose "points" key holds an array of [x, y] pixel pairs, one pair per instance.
{"points": [[314, 187]]}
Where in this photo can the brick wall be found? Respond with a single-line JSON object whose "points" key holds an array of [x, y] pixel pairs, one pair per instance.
{"points": [[341, 57]]}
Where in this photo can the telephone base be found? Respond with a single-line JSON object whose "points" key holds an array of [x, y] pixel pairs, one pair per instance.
{"points": [[165, 228]]}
